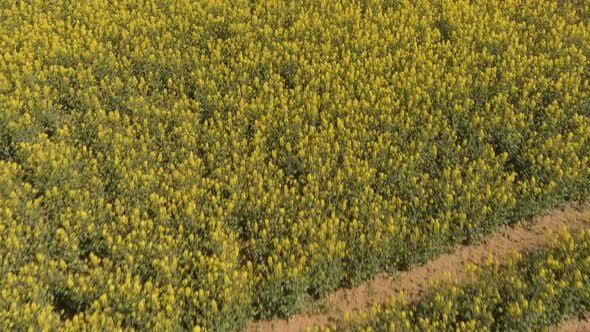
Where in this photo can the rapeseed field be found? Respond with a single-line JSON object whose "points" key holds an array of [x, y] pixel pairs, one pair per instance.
{"points": [[195, 165]]}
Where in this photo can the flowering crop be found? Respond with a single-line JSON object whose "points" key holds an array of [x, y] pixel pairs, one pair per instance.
{"points": [[176, 164], [530, 291]]}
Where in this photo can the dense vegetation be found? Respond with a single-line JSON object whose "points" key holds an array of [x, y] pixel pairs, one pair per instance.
{"points": [[529, 292], [177, 164]]}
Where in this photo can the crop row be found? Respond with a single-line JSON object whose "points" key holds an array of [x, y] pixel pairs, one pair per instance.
{"points": [[170, 164], [531, 291]]}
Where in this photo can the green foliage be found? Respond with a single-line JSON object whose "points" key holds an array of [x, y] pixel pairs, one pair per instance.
{"points": [[155, 154], [530, 291]]}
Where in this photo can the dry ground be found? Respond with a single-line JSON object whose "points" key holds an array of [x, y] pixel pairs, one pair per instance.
{"points": [[504, 242], [575, 325]]}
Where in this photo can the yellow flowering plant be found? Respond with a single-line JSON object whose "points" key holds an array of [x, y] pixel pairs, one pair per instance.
{"points": [[531, 291], [155, 153]]}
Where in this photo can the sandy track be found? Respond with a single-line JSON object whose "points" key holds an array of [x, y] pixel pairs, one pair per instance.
{"points": [[575, 324], [504, 242]]}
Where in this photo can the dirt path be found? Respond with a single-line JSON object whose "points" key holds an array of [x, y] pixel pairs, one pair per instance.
{"points": [[381, 288], [575, 324]]}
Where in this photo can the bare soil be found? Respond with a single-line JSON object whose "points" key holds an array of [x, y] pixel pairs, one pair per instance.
{"points": [[504, 242], [575, 324]]}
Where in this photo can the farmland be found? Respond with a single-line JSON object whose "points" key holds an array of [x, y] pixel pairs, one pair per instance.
{"points": [[377, 303], [199, 165], [527, 292]]}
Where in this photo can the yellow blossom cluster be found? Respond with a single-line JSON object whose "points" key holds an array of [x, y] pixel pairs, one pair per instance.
{"points": [[528, 292], [177, 164]]}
